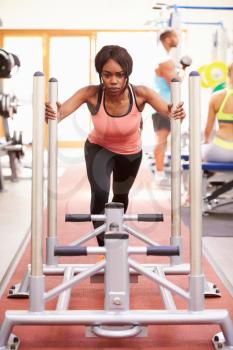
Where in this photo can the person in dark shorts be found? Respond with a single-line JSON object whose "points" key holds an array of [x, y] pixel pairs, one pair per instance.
{"points": [[165, 71], [160, 122]]}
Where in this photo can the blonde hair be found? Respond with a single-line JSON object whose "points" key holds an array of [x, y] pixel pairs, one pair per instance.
{"points": [[230, 73]]}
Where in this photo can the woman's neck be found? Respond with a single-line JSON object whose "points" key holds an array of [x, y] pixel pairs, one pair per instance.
{"points": [[117, 98]]}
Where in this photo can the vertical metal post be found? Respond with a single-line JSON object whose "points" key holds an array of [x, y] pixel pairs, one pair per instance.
{"points": [[196, 277], [116, 271], [36, 277], [114, 215], [176, 238], [51, 240]]}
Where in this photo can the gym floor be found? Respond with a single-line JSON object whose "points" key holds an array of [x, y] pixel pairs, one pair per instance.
{"points": [[15, 223], [15, 211]]}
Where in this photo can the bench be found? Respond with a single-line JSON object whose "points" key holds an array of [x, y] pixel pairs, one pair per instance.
{"points": [[211, 200]]}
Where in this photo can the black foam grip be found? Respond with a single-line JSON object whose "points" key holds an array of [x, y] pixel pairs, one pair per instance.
{"points": [[163, 250], [70, 251], [77, 217], [150, 217]]}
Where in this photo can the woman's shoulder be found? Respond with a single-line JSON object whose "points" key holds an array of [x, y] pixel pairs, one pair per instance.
{"points": [[142, 95], [217, 98], [219, 94], [93, 97], [91, 90], [140, 90], [88, 93]]}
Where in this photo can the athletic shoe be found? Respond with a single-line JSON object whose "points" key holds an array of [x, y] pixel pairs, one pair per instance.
{"points": [[161, 179]]}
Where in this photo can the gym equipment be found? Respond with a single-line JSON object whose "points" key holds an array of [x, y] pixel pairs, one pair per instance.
{"points": [[117, 320], [160, 5], [216, 73], [8, 105], [219, 87], [221, 44], [8, 63], [12, 145], [53, 267], [204, 83], [212, 200], [171, 16], [213, 74], [185, 61]]}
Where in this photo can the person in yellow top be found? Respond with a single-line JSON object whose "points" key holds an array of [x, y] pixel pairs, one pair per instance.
{"points": [[220, 148]]}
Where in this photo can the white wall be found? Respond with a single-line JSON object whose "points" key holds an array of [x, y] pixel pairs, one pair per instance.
{"points": [[99, 13], [74, 13]]}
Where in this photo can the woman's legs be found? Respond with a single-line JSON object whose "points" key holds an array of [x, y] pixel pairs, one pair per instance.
{"points": [[124, 173], [99, 164]]}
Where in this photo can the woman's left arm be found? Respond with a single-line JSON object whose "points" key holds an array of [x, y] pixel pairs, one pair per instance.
{"points": [[155, 101]]}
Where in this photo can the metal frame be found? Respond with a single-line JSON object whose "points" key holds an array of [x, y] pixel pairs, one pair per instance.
{"points": [[211, 199], [52, 265], [116, 311]]}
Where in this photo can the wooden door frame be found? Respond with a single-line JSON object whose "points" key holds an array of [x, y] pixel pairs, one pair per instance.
{"points": [[46, 35]]}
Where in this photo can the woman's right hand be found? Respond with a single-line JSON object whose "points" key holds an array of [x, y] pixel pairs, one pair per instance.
{"points": [[50, 113]]}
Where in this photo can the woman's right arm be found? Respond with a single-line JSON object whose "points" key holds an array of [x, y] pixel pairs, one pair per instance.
{"points": [[71, 104]]}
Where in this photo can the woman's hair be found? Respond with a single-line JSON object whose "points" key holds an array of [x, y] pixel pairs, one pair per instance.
{"points": [[230, 72], [116, 53]]}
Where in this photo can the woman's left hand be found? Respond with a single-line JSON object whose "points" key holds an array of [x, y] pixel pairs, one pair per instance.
{"points": [[178, 112]]}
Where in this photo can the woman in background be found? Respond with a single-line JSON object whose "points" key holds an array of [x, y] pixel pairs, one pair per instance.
{"points": [[220, 148]]}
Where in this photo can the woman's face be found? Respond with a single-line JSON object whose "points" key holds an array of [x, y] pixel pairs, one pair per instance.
{"points": [[113, 78]]}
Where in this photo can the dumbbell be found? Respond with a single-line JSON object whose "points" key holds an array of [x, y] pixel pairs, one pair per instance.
{"points": [[185, 61], [8, 62], [8, 105]]}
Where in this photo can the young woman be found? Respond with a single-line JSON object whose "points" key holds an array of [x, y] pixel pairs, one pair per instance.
{"points": [[220, 149], [114, 144]]}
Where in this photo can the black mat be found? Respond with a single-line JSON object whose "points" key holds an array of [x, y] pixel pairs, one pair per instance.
{"points": [[216, 224]]}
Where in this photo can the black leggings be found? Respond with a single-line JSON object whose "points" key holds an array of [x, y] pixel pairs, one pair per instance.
{"points": [[100, 164]]}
